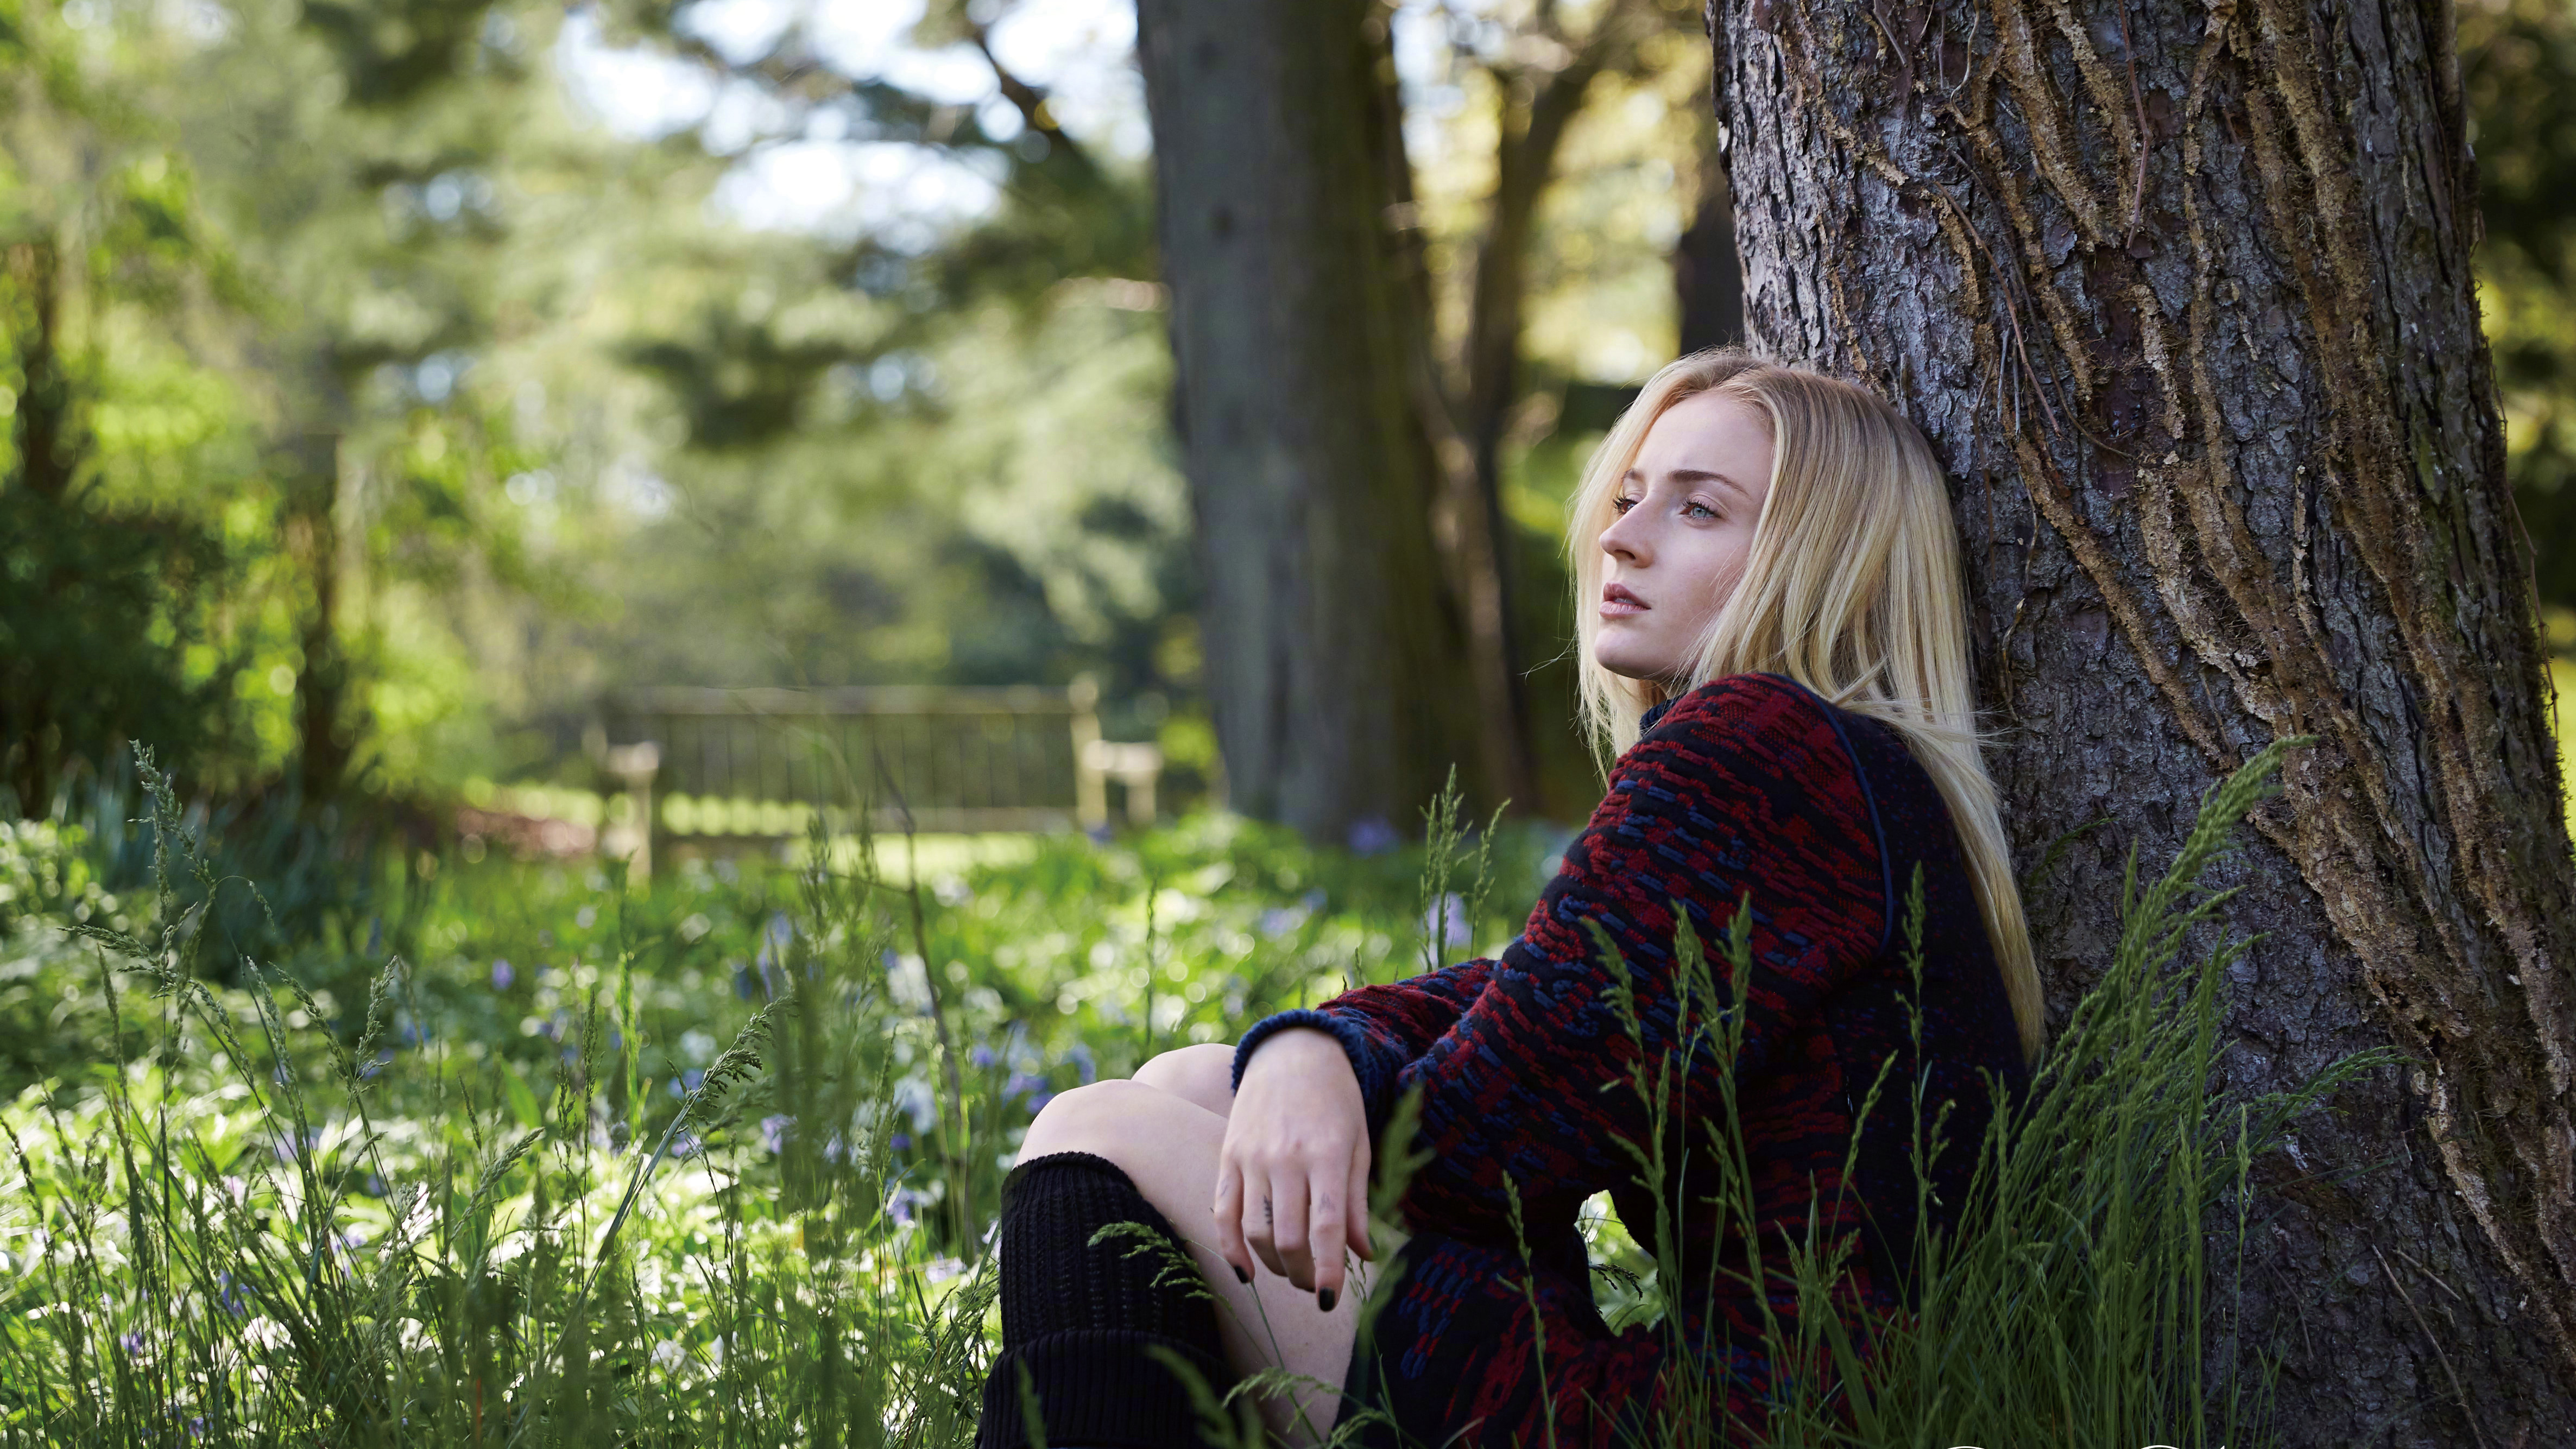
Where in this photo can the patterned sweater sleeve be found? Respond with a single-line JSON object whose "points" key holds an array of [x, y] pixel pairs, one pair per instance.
{"points": [[1744, 790], [1381, 1028]]}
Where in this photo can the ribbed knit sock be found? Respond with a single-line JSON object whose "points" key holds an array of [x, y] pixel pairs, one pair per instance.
{"points": [[1079, 1317]]}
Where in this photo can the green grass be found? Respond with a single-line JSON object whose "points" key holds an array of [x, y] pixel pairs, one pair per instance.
{"points": [[514, 1154]]}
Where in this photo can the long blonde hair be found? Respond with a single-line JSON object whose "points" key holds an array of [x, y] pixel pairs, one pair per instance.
{"points": [[1851, 587]]}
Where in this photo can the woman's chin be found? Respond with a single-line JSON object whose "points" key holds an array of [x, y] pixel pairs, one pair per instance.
{"points": [[1629, 665]]}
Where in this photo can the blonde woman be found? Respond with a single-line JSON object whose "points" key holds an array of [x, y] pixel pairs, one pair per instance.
{"points": [[1774, 652]]}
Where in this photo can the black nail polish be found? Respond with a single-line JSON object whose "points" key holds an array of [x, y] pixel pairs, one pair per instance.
{"points": [[1241, 1275], [1324, 1299]]}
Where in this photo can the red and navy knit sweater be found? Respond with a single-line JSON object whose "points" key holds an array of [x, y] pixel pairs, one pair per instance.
{"points": [[1750, 784]]}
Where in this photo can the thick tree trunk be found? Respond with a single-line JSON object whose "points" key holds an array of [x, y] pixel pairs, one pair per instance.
{"points": [[2181, 294], [1337, 661]]}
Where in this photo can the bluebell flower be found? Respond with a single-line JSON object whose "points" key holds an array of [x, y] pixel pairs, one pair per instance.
{"points": [[901, 1139], [502, 975], [1038, 1100], [773, 1133], [1373, 836], [982, 1055]]}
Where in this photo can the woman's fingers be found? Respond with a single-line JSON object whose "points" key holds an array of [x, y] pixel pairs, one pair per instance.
{"points": [[1229, 1219], [1289, 1228], [1356, 1206], [1259, 1219], [1326, 1221]]}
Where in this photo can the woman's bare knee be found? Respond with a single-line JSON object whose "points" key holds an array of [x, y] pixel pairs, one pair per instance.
{"points": [[1169, 1148], [1108, 1118], [1202, 1074]]}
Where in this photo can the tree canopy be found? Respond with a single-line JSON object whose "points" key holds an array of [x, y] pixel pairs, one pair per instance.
{"points": [[387, 383]]}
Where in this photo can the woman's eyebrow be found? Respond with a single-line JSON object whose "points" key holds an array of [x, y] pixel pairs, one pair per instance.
{"points": [[1701, 477]]}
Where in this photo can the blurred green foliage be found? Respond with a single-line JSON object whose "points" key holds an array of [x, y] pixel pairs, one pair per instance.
{"points": [[2518, 68], [374, 408]]}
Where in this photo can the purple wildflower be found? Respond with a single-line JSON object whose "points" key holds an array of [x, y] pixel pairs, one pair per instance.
{"points": [[1373, 836]]}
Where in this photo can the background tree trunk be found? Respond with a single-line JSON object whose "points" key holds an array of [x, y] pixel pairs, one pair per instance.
{"points": [[322, 724], [1337, 661], [1539, 91], [1708, 277], [2181, 294]]}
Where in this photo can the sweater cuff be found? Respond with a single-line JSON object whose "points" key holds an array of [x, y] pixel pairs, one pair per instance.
{"points": [[1368, 1061]]}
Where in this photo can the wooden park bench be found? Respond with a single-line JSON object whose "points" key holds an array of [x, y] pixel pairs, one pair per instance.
{"points": [[723, 767]]}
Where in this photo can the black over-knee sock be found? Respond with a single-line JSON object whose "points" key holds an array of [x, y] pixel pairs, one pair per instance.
{"points": [[1079, 1317]]}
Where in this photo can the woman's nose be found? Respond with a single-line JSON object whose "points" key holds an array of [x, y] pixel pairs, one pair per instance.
{"points": [[1624, 540]]}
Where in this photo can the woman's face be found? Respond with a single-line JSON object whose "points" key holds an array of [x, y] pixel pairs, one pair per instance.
{"points": [[1685, 526]]}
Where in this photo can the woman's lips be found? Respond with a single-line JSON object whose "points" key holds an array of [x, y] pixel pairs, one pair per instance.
{"points": [[1618, 603]]}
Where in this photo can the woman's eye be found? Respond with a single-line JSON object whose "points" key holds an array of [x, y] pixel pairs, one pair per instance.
{"points": [[1622, 505], [1699, 510]]}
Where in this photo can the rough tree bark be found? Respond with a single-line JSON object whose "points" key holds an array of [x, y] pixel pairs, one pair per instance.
{"points": [[1337, 660], [2181, 294]]}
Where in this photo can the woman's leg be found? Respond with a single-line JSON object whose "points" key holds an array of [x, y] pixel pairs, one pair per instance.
{"points": [[1203, 1075], [1168, 1145]]}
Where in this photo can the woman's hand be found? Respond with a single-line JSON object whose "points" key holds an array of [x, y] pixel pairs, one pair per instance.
{"points": [[1292, 1177]]}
